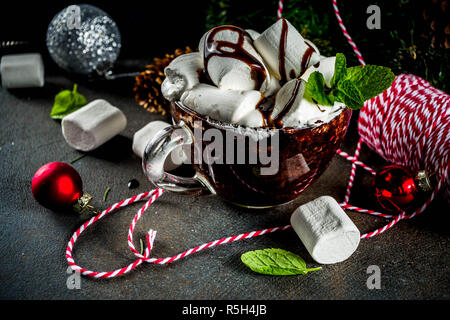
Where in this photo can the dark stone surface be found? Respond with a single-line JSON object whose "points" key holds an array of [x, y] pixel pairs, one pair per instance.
{"points": [[413, 256]]}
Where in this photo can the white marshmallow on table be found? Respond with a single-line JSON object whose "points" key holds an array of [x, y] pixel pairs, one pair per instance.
{"points": [[327, 232], [143, 136], [232, 73], [225, 105], [181, 74], [268, 46], [92, 125], [22, 70]]}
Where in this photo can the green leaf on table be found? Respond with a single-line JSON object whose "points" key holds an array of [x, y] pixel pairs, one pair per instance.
{"points": [[106, 193], [67, 102], [315, 90], [277, 262]]}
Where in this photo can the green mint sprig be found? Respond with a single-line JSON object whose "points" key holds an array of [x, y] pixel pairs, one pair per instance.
{"points": [[277, 262], [67, 102], [351, 86]]}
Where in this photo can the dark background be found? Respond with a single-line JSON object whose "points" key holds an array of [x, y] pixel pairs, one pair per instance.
{"points": [[144, 25], [413, 256], [152, 28]]}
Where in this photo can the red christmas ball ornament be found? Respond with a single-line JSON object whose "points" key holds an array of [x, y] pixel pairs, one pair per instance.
{"points": [[398, 189], [57, 185]]}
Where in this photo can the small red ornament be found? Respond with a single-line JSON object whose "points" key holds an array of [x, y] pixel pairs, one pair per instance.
{"points": [[57, 185], [398, 189]]}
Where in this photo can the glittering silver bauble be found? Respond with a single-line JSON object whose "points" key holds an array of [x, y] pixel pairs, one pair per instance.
{"points": [[83, 40]]}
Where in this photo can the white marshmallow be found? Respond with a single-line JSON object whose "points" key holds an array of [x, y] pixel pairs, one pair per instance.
{"points": [[143, 136], [232, 73], [314, 46], [181, 74], [22, 70], [268, 46], [325, 67], [92, 125], [327, 232], [225, 105], [253, 119], [304, 112], [286, 94], [253, 34], [308, 114], [270, 86]]}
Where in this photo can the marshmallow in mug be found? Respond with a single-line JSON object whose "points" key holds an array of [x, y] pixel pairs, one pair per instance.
{"points": [[302, 112], [22, 70], [181, 74], [92, 125], [230, 106], [228, 72], [281, 42], [143, 136], [327, 232]]}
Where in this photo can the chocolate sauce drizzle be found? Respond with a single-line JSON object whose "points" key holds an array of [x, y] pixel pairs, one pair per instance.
{"points": [[282, 52], [282, 56], [258, 73], [306, 57], [289, 104], [265, 107], [233, 50]]}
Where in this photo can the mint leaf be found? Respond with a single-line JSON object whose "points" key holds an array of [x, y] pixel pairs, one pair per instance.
{"points": [[277, 262], [340, 69], [370, 80], [351, 86], [67, 102], [315, 90], [349, 94]]}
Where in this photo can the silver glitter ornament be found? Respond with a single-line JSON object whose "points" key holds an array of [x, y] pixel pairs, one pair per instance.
{"points": [[83, 39]]}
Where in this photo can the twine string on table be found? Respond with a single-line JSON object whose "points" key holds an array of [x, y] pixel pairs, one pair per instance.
{"points": [[407, 90], [151, 197]]}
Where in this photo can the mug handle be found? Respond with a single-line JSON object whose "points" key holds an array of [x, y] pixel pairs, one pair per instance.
{"points": [[156, 153]]}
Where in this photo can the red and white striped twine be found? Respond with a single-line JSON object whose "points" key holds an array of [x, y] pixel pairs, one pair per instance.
{"points": [[280, 9], [408, 124], [395, 124], [150, 238]]}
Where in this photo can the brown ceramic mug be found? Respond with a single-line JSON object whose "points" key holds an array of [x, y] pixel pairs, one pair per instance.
{"points": [[300, 156]]}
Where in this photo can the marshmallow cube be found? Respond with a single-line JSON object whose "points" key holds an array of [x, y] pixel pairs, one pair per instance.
{"points": [[268, 46], [253, 119], [92, 125], [326, 231], [325, 67], [232, 73], [22, 70], [225, 105], [143, 136], [181, 74]]}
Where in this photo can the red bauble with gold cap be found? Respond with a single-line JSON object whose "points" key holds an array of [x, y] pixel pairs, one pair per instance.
{"points": [[57, 185], [398, 189]]}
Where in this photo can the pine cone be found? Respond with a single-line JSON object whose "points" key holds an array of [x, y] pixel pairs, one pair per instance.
{"points": [[147, 88]]}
